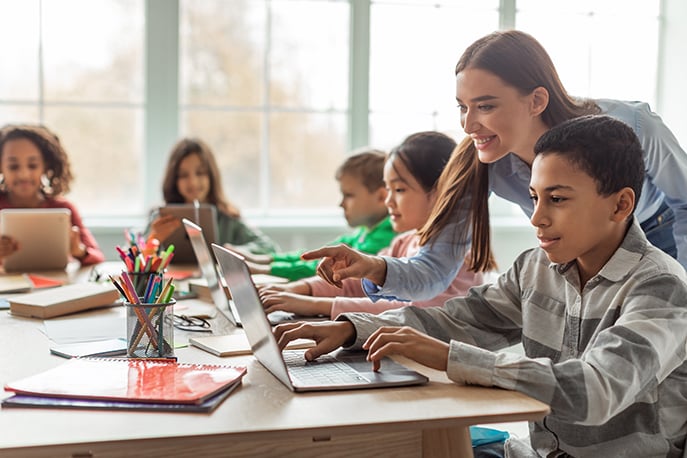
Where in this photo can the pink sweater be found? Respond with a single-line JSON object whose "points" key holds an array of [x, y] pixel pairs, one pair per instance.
{"points": [[351, 298]]}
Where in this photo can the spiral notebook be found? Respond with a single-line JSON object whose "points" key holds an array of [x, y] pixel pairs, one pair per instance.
{"points": [[26, 401], [139, 380]]}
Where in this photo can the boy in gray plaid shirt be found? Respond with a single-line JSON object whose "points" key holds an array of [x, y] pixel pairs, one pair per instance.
{"points": [[600, 312]]}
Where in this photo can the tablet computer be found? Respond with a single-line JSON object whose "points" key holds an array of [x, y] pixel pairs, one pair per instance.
{"points": [[43, 236], [204, 215]]}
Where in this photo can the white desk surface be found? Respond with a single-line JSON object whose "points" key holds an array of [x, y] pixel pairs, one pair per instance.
{"points": [[261, 412]]}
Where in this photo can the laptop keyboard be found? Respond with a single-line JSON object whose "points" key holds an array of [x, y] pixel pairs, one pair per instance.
{"points": [[325, 370]]}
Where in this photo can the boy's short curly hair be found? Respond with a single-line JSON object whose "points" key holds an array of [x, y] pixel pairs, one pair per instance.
{"points": [[366, 165], [604, 148], [57, 166]]}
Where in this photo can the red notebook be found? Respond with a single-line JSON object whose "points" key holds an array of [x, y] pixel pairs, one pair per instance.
{"points": [[131, 379]]}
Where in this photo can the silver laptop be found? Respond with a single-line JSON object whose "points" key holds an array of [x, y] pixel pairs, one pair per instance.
{"points": [[208, 269], [43, 236], [336, 371]]}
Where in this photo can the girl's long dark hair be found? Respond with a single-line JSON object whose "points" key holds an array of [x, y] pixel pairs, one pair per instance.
{"points": [[184, 148]]}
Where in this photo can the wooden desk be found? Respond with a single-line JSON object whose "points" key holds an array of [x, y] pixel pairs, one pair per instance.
{"points": [[262, 418]]}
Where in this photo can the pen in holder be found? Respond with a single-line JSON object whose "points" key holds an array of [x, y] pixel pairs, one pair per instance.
{"points": [[149, 317], [150, 330], [141, 280], [145, 261]]}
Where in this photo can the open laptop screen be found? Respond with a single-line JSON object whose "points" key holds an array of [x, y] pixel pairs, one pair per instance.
{"points": [[208, 268], [266, 350]]}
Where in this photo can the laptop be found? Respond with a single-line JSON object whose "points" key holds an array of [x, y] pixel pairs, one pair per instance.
{"points": [[340, 370], [204, 215], [43, 236], [208, 269]]}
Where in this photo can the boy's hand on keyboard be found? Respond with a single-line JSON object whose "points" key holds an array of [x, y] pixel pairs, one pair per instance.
{"points": [[408, 342], [328, 335]]}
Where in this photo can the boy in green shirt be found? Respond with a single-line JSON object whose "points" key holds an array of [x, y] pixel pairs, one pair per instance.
{"points": [[363, 193]]}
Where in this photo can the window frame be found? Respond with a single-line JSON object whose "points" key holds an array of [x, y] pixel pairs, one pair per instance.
{"points": [[161, 105]]}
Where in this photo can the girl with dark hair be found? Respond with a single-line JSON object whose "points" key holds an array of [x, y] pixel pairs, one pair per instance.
{"points": [[35, 173], [192, 175], [411, 172]]}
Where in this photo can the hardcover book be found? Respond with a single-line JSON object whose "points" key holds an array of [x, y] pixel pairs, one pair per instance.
{"points": [[63, 300]]}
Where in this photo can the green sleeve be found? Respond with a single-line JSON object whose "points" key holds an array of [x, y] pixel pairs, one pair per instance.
{"points": [[287, 256], [290, 265], [294, 270], [377, 238]]}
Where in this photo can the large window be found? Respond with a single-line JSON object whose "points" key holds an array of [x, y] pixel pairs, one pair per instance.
{"points": [[282, 90], [414, 47], [602, 49], [77, 67], [266, 84]]}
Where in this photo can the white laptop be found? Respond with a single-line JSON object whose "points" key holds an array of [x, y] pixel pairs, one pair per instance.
{"points": [[208, 269], [339, 370], [43, 236]]}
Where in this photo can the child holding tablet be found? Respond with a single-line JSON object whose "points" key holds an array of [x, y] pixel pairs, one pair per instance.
{"points": [[35, 173], [192, 176]]}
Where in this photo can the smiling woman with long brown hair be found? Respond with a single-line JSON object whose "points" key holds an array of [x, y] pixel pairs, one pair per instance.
{"points": [[509, 94]]}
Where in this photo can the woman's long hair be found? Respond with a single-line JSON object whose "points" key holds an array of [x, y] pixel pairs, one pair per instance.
{"points": [[464, 187], [520, 61]]}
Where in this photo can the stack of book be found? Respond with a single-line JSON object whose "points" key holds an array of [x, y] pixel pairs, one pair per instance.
{"points": [[96, 383], [64, 300]]}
